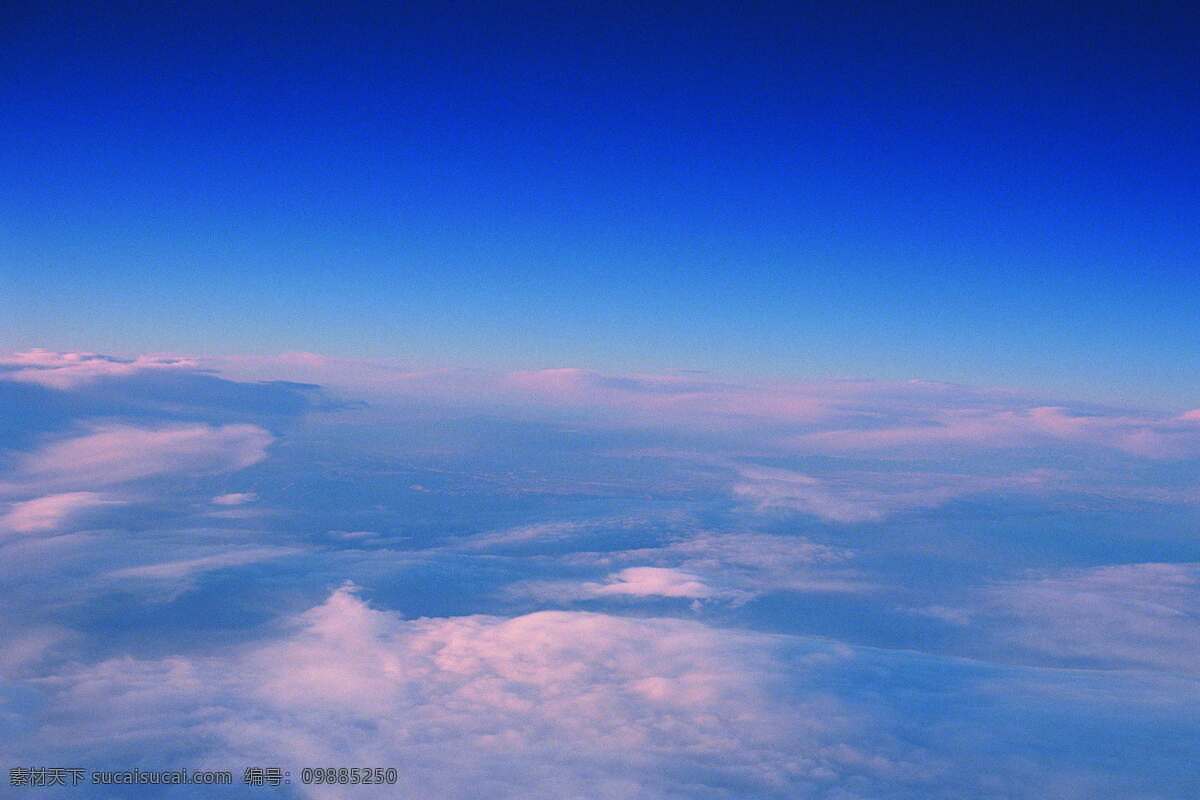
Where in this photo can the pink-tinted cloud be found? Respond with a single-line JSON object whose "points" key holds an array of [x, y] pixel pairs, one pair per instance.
{"points": [[834, 416], [1147, 437], [650, 582], [375, 378], [70, 370], [685, 398], [546, 705], [114, 454], [49, 513], [885, 416], [902, 418]]}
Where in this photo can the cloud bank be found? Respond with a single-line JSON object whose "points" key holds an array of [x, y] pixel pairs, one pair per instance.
{"points": [[65, 371], [550, 704]]}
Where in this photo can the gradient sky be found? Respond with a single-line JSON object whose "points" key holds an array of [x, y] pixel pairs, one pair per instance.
{"points": [[1001, 195], [662, 403]]}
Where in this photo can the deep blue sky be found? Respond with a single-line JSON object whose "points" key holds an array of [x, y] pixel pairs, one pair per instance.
{"points": [[1004, 195]]}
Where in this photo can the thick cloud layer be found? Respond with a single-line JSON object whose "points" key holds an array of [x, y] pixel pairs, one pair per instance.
{"points": [[586, 585], [550, 704]]}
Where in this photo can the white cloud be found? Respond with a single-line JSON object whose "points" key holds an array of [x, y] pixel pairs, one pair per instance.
{"points": [[354, 535], [234, 499]]}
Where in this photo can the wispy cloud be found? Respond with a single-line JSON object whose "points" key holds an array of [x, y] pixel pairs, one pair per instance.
{"points": [[901, 418], [234, 498], [51, 512], [870, 496], [187, 567], [113, 454], [1162, 437], [1140, 615], [25, 646], [179, 575], [727, 567]]}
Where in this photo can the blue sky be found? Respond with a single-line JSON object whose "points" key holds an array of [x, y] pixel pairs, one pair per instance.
{"points": [[988, 195], [693, 403]]}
